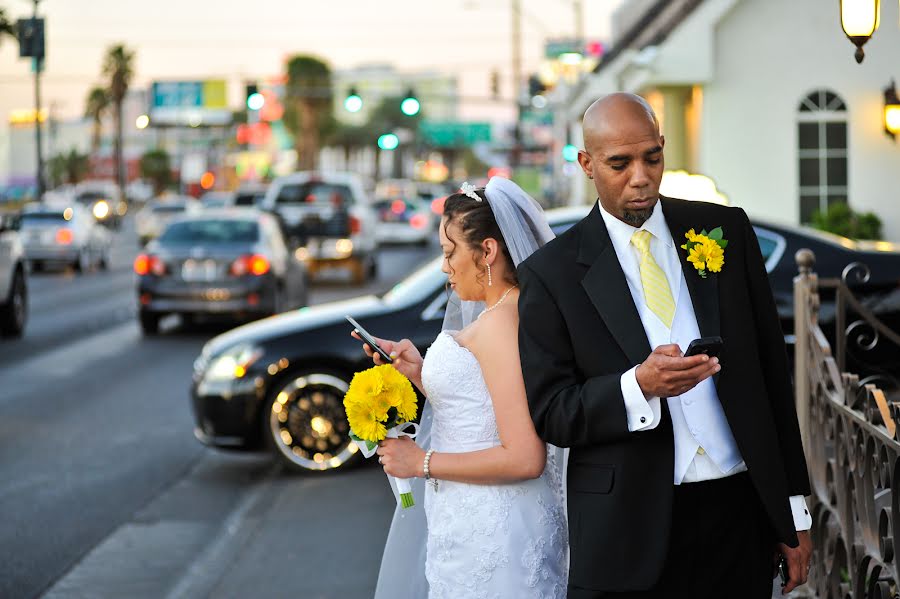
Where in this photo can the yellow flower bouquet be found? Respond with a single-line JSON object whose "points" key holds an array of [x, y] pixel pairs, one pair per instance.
{"points": [[381, 404]]}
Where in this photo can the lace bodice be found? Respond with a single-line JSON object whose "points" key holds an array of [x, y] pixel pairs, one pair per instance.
{"points": [[486, 541]]}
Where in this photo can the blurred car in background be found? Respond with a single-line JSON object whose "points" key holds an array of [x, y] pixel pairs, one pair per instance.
{"points": [[405, 220], [215, 199], [13, 282], [280, 382], [66, 235], [150, 221], [246, 196], [231, 262], [103, 200], [329, 218]]}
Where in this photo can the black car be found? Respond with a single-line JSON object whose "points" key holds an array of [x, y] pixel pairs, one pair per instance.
{"points": [[230, 262], [280, 382]]}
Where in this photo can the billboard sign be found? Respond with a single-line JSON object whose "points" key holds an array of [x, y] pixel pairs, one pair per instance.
{"points": [[189, 103]]}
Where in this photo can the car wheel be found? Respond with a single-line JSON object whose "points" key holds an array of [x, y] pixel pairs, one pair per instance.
{"points": [[373, 268], [14, 312], [82, 263], [149, 323], [104, 260], [35, 266], [305, 424]]}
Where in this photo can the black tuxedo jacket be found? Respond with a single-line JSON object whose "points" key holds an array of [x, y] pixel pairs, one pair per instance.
{"points": [[580, 331]]}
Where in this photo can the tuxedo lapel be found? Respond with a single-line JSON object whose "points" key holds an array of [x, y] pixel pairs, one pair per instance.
{"points": [[608, 290], [704, 292]]}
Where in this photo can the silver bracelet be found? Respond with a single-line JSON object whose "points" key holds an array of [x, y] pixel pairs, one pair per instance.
{"points": [[427, 470]]}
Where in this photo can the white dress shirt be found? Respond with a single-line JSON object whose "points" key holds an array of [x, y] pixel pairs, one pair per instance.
{"points": [[705, 448]]}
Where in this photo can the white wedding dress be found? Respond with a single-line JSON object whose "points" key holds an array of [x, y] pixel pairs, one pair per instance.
{"points": [[486, 541]]}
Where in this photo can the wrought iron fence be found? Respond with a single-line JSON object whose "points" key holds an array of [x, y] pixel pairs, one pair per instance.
{"points": [[852, 445]]}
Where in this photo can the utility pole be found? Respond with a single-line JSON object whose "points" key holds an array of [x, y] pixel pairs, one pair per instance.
{"points": [[516, 153], [579, 21], [38, 63]]}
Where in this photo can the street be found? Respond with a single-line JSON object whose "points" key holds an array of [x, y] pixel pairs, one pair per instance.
{"points": [[106, 492]]}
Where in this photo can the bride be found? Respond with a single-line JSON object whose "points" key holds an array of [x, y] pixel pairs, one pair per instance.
{"points": [[494, 499]]}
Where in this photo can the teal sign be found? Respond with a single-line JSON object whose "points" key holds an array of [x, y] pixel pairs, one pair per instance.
{"points": [[454, 133]]}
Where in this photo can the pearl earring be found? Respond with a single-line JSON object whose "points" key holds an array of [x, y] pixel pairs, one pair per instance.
{"points": [[490, 282]]}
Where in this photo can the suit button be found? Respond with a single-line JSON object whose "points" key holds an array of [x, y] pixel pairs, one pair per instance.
{"points": [[701, 451], [643, 419]]}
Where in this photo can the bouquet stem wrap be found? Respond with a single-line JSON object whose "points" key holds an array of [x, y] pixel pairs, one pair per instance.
{"points": [[401, 486]]}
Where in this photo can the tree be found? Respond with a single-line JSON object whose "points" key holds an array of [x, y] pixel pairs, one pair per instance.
{"points": [[308, 107], [69, 167], [7, 27], [156, 168], [351, 137], [95, 107], [388, 118], [840, 219], [118, 67]]}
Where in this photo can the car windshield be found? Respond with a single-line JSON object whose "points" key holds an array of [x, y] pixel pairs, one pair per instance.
{"points": [[247, 199], [417, 286], [43, 218], [89, 197], [211, 231], [313, 192], [168, 208]]}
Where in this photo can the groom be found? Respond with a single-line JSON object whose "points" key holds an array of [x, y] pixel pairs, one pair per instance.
{"points": [[686, 475]]}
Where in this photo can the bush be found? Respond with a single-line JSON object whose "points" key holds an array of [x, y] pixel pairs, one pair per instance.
{"points": [[840, 219]]}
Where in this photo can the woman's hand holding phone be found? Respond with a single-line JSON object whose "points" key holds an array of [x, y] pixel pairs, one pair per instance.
{"points": [[407, 359]]}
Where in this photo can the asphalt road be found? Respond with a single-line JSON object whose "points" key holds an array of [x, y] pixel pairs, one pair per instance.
{"points": [[98, 462]]}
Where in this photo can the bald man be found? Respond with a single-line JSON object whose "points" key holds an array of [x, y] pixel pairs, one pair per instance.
{"points": [[686, 475]]}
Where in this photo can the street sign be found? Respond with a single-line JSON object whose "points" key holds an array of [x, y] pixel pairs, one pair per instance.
{"points": [[30, 33], [192, 103], [454, 133]]}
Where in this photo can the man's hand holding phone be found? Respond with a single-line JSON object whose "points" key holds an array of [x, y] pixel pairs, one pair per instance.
{"points": [[668, 373]]}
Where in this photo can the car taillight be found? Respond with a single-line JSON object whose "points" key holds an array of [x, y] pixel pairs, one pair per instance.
{"points": [[64, 236], [418, 221], [398, 207], [253, 264], [145, 264], [437, 205], [355, 225]]}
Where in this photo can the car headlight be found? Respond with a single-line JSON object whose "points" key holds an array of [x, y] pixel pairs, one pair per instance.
{"points": [[232, 364], [101, 209]]}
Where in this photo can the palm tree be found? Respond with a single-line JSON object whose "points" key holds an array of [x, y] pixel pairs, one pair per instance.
{"points": [[118, 67], [308, 107], [95, 107], [69, 167], [7, 27]]}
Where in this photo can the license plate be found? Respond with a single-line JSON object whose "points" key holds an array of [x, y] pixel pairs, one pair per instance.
{"points": [[199, 270]]}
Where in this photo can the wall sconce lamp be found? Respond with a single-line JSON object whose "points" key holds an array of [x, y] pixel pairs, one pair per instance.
{"points": [[860, 19], [891, 111]]}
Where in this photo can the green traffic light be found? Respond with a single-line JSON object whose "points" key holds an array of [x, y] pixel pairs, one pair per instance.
{"points": [[388, 141], [570, 153], [353, 103], [410, 106]]}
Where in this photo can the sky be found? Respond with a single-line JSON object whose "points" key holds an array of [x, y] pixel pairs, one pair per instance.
{"points": [[238, 41]]}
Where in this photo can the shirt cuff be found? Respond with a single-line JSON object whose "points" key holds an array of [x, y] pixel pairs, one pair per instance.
{"points": [[802, 517], [642, 413]]}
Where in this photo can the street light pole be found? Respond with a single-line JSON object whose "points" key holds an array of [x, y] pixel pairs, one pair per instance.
{"points": [[38, 66], [515, 155]]}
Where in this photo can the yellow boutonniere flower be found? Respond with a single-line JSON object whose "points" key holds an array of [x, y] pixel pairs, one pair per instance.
{"points": [[706, 251]]}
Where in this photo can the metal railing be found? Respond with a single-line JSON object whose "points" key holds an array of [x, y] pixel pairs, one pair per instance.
{"points": [[850, 436]]}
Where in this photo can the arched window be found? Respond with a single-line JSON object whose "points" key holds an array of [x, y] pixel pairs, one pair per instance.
{"points": [[822, 152]]}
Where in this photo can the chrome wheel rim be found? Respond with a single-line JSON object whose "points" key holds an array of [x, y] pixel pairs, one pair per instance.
{"points": [[307, 422]]}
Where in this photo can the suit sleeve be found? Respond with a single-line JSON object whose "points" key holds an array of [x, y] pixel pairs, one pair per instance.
{"points": [[773, 359], [567, 411]]}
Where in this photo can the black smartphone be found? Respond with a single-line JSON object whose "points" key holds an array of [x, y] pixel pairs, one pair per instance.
{"points": [[783, 570], [370, 340], [711, 346]]}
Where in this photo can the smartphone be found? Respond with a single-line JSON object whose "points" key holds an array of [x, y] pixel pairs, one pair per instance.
{"points": [[370, 340], [783, 571], [711, 346]]}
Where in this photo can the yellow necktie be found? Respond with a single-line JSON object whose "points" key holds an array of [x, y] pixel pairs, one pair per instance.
{"points": [[656, 288]]}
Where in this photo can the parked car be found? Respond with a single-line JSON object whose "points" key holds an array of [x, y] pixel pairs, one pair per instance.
{"points": [[13, 282], [64, 235], [330, 219], [103, 200], [230, 262], [303, 362], [155, 215]]}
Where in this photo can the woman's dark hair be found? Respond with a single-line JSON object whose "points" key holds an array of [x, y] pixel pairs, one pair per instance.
{"points": [[477, 223]]}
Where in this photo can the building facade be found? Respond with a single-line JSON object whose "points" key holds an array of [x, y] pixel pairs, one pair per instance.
{"points": [[762, 96]]}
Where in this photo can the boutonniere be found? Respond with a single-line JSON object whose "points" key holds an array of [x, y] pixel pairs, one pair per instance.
{"points": [[706, 251]]}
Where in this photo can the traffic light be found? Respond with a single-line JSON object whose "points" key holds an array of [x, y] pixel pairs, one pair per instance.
{"points": [[255, 100], [535, 86], [570, 153], [410, 105], [353, 103], [495, 85], [31, 37], [388, 141]]}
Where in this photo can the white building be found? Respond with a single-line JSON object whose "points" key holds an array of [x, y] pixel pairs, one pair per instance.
{"points": [[762, 96]]}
